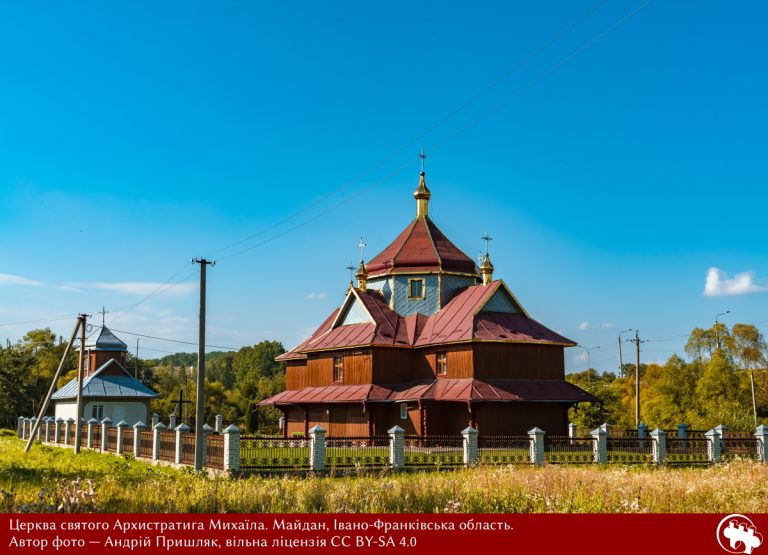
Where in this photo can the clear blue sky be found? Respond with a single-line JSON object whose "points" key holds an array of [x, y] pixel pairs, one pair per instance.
{"points": [[137, 135]]}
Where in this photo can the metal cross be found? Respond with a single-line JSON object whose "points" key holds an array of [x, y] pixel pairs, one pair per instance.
{"points": [[486, 238], [103, 313], [361, 245], [423, 157], [351, 269], [180, 408]]}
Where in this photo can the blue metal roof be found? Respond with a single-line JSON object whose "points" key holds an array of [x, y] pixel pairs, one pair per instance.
{"points": [[105, 341], [97, 385]]}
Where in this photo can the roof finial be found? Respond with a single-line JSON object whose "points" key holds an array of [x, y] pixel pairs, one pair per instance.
{"points": [[486, 238], [362, 276], [351, 269], [422, 194], [103, 313], [486, 268], [361, 245]]}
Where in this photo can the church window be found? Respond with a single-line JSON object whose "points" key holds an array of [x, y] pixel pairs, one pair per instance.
{"points": [[416, 288], [442, 364], [338, 369], [403, 411], [97, 412]]}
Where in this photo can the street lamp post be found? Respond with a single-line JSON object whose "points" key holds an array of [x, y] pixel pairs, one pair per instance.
{"points": [[621, 361], [589, 364], [717, 327]]}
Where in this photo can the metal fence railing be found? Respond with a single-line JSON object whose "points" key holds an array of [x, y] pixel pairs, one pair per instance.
{"points": [[112, 440], [259, 453], [188, 448], [127, 441], [688, 451], [436, 451], [145, 444], [167, 446], [215, 455], [627, 450], [739, 448], [357, 452], [504, 449], [570, 450]]}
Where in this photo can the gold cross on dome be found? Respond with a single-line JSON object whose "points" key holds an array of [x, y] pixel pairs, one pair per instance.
{"points": [[423, 158], [361, 245]]}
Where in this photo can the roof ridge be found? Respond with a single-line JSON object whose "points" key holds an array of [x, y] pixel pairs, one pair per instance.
{"points": [[427, 221]]}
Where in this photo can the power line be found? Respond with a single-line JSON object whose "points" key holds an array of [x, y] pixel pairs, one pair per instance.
{"points": [[174, 340], [523, 88], [424, 133]]}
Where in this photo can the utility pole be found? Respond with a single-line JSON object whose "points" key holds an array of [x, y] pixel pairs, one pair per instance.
{"points": [[717, 327], [136, 362], [621, 360], [200, 406], [52, 388], [80, 367], [637, 381]]}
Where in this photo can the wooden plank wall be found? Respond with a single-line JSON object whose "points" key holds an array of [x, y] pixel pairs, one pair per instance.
{"points": [[317, 369], [460, 360], [519, 361]]}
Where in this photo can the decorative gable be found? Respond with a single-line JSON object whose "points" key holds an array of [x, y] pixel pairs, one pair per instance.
{"points": [[353, 312], [502, 301]]}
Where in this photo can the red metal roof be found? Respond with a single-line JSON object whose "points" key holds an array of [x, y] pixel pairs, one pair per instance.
{"points": [[448, 390], [421, 247], [460, 320]]}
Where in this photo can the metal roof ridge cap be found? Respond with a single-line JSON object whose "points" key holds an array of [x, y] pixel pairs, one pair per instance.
{"points": [[412, 226], [427, 221]]}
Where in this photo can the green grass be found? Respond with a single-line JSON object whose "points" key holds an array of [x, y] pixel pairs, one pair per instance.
{"points": [[53, 478]]}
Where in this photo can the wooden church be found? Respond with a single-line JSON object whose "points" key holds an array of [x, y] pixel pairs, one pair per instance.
{"points": [[109, 389], [429, 342]]}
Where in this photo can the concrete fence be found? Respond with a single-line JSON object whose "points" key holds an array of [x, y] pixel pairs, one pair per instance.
{"points": [[231, 452]]}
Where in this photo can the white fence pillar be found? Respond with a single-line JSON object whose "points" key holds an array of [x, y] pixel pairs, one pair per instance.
{"points": [[537, 446], [470, 446], [219, 423], [25, 428], [47, 421], [32, 422], [714, 447], [120, 427], [137, 429], [181, 429], [317, 448], [106, 423], [761, 433], [396, 447], [231, 447], [57, 429], [207, 430], [659, 446], [155, 420], [156, 429], [91, 424], [20, 426], [600, 445], [572, 431], [67, 426]]}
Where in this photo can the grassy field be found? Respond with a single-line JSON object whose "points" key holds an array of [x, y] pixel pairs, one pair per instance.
{"points": [[52, 479]]}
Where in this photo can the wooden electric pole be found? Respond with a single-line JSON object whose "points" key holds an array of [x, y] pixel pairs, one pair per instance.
{"points": [[637, 381], [80, 368], [44, 406], [200, 405]]}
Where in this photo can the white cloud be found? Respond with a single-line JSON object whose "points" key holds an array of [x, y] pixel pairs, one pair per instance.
{"points": [[139, 287], [581, 357], [607, 325], [315, 296], [719, 284], [583, 326], [10, 279]]}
